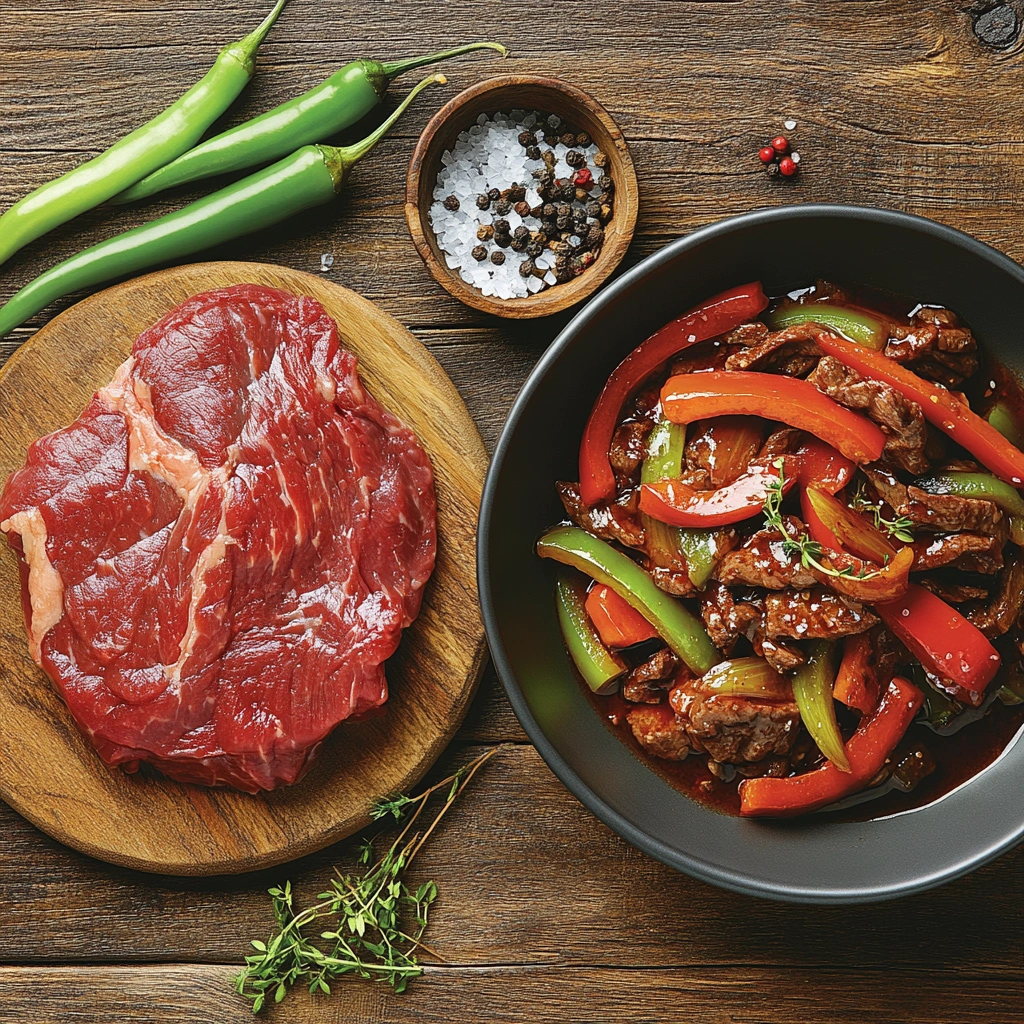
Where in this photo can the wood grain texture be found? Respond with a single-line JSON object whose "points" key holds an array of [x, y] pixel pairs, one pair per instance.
{"points": [[898, 105], [49, 772], [580, 112]]}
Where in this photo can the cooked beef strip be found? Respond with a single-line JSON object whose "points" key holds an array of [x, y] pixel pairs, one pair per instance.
{"points": [[1003, 611], [659, 731], [935, 346], [745, 334], [968, 552], [760, 561], [781, 442], [901, 420], [629, 449], [735, 730], [782, 655], [938, 512], [812, 613], [608, 521], [708, 355], [647, 682], [793, 351], [726, 616], [952, 591]]}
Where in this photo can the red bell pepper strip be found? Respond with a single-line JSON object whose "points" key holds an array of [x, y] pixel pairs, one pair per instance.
{"points": [[617, 622], [790, 400], [866, 750], [719, 314], [856, 683], [678, 504], [865, 581], [946, 644], [823, 467], [940, 407], [853, 532]]}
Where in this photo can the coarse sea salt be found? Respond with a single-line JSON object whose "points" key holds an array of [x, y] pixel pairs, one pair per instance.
{"points": [[488, 155]]}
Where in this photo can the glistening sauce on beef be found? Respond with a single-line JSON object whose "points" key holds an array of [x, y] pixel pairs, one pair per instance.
{"points": [[972, 742]]}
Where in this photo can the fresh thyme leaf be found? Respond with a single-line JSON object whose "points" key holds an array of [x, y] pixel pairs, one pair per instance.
{"points": [[901, 527], [809, 551], [375, 922]]}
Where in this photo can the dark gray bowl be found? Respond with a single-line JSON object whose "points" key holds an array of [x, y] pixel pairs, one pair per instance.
{"points": [[807, 861]]}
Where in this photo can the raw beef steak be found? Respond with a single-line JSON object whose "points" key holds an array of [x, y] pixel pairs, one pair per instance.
{"points": [[221, 552]]}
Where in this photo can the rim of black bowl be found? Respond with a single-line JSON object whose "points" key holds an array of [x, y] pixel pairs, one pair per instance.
{"points": [[674, 858]]}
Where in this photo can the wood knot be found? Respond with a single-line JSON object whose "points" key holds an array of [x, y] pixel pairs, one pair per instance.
{"points": [[998, 26]]}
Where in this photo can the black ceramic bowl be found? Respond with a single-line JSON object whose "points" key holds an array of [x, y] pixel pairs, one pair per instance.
{"points": [[806, 861]]}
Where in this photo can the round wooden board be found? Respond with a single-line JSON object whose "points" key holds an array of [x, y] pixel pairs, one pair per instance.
{"points": [[52, 775]]}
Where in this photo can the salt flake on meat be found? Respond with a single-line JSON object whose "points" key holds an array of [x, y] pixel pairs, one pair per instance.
{"points": [[221, 552]]}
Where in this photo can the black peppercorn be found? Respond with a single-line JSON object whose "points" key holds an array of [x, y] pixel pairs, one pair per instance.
{"points": [[772, 170], [568, 139], [522, 208], [501, 226], [564, 210], [494, 195], [563, 223], [450, 203], [502, 207], [533, 152], [485, 232], [567, 193], [553, 121], [600, 159], [497, 258], [534, 249], [518, 244], [605, 199], [549, 210], [606, 184], [539, 272], [595, 235], [527, 138], [479, 253], [593, 209], [483, 201], [537, 211], [582, 140], [526, 268], [517, 193], [574, 158], [521, 232], [502, 241]]}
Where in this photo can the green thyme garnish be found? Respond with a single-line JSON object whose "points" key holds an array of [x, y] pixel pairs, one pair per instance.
{"points": [[375, 922], [810, 551], [901, 527]]}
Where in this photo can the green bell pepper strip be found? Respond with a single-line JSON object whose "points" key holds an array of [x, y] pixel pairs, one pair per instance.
{"points": [[160, 140], [665, 448], [682, 631], [599, 667], [855, 325], [309, 177], [975, 485], [746, 677], [331, 107], [1003, 417], [812, 690], [1017, 530]]}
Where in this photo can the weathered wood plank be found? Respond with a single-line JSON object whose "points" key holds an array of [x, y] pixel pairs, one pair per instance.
{"points": [[202, 995], [526, 875]]}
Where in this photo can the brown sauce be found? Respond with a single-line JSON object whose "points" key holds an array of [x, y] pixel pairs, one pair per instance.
{"points": [[958, 756]]}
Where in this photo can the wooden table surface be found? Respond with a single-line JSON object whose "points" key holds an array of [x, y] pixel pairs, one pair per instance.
{"points": [[544, 914]]}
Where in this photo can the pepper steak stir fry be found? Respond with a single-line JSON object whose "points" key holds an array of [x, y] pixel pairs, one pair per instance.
{"points": [[791, 537]]}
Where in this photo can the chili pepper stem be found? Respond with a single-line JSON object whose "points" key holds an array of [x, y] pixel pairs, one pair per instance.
{"points": [[244, 51], [383, 72], [341, 159]]}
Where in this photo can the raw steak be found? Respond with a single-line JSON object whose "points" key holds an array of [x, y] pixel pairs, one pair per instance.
{"points": [[221, 552]]}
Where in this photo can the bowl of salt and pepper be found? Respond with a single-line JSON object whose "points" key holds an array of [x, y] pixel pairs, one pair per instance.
{"points": [[521, 196]]}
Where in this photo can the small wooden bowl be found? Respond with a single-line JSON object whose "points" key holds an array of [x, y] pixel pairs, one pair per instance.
{"points": [[521, 92]]}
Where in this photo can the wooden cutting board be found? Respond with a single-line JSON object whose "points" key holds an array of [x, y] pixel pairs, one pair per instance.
{"points": [[52, 775]]}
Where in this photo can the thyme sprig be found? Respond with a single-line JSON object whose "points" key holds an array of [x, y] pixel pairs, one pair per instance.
{"points": [[810, 551], [375, 920], [901, 527]]}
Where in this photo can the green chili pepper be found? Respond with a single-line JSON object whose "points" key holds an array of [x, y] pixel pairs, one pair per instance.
{"points": [[664, 461], [975, 485], [683, 632], [857, 326], [598, 666], [747, 677], [1003, 417], [939, 707], [330, 107], [1017, 530], [812, 690], [309, 177], [168, 135]]}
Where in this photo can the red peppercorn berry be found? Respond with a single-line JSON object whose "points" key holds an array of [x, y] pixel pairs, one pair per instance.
{"points": [[780, 144], [583, 178], [767, 155], [787, 167]]}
